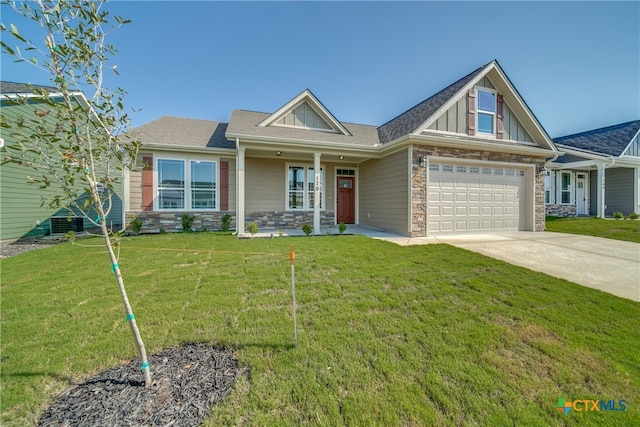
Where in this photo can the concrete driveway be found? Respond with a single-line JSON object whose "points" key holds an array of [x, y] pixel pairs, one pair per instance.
{"points": [[609, 265]]}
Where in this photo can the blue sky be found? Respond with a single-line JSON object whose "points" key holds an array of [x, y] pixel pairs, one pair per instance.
{"points": [[576, 64]]}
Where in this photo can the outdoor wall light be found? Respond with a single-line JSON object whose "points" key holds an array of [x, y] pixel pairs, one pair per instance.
{"points": [[422, 160], [278, 153], [340, 157]]}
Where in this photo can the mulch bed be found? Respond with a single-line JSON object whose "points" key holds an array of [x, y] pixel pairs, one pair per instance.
{"points": [[187, 382]]}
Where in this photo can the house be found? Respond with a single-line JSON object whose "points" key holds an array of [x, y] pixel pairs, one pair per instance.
{"points": [[21, 210], [599, 174], [467, 159]]}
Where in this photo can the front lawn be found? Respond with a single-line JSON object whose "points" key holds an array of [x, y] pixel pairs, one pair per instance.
{"points": [[388, 335], [619, 229]]}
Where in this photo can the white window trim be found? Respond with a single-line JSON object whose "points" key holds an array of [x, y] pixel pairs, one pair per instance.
{"points": [[571, 189], [187, 183], [305, 201], [493, 114]]}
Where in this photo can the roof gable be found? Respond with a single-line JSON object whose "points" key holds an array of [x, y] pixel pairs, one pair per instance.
{"points": [[307, 112], [525, 126], [610, 140]]}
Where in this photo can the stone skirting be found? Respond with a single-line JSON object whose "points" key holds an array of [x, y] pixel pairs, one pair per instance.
{"points": [[287, 219], [561, 210], [154, 222]]}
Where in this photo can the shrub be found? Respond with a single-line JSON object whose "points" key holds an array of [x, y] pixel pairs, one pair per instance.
{"points": [[633, 215], [253, 228], [225, 222], [136, 226], [307, 229], [342, 227], [187, 221], [162, 230], [618, 215]]}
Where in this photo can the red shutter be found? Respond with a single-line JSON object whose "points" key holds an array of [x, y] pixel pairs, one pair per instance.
{"points": [[224, 186], [471, 120], [147, 183], [499, 116]]}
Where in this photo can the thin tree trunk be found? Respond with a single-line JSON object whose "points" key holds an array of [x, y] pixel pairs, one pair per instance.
{"points": [[130, 317]]}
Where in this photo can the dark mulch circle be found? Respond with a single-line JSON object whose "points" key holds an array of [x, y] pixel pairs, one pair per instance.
{"points": [[187, 382]]}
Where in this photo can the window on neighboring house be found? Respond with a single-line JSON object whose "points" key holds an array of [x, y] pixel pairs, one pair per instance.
{"points": [[565, 193], [301, 187], [180, 188], [486, 111]]}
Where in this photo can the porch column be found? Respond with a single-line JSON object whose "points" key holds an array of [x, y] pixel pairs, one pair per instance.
{"points": [[316, 193], [636, 190], [600, 191], [240, 191]]}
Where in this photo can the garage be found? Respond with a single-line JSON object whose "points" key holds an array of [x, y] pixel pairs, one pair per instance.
{"points": [[476, 197]]}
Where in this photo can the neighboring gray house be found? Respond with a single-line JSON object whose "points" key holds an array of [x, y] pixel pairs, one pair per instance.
{"points": [[467, 159], [599, 174]]}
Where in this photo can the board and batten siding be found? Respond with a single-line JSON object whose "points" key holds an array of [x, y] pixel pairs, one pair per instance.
{"points": [[455, 120], [384, 192], [619, 191]]}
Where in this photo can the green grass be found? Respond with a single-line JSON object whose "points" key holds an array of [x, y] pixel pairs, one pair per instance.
{"points": [[628, 230], [388, 335]]}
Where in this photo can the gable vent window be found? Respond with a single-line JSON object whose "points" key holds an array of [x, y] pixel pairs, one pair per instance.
{"points": [[486, 111]]}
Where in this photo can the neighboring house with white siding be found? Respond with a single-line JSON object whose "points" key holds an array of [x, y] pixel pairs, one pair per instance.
{"points": [[599, 173], [468, 159], [21, 211]]}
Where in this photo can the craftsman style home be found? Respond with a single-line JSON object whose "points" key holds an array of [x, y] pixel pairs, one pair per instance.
{"points": [[599, 174], [468, 159]]}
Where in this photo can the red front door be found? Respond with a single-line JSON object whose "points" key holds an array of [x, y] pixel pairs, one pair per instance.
{"points": [[346, 200]]}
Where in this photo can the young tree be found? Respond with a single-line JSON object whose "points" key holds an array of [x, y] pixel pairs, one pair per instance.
{"points": [[74, 139]]}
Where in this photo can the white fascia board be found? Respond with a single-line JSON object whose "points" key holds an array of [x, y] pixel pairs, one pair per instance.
{"points": [[475, 144], [305, 96], [231, 152], [585, 164], [296, 143], [587, 154]]}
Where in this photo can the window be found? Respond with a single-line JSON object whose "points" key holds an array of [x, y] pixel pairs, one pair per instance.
{"points": [[566, 188], [486, 111], [171, 184], [498, 171], [486, 171], [447, 168], [301, 187], [461, 169], [547, 189], [434, 167], [474, 170], [510, 172], [182, 188], [203, 185]]}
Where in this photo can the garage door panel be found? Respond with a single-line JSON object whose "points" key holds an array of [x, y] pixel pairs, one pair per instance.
{"points": [[475, 197]]}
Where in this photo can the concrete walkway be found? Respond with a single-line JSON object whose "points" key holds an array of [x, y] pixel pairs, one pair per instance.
{"points": [[609, 265]]}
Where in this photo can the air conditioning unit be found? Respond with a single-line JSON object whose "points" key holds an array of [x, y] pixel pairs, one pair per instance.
{"points": [[64, 224]]}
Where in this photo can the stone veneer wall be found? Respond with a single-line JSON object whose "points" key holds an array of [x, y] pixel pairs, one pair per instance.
{"points": [[418, 196], [288, 219], [561, 210], [153, 222]]}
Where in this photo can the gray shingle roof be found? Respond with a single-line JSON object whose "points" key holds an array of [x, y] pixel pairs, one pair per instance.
{"points": [[246, 123], [182, 132], [408, 121], [610, 140], [12, 87]]}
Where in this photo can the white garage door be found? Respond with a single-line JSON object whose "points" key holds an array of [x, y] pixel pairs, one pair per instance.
{"points": [[475, 197]]}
